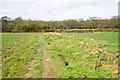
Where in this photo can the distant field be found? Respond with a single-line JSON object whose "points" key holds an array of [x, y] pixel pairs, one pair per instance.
{"points": [[68, 55], [108, 36]]}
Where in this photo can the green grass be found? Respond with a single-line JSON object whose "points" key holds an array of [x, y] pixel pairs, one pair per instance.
{"points": [[108, 36], [18, 51], [37, 68], [79, 56]]}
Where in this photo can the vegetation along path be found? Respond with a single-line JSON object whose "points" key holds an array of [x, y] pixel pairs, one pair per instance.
{"points": [[30, 66]]}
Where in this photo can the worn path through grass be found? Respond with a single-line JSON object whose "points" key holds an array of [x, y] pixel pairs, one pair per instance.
{"points": [[48, 62]]}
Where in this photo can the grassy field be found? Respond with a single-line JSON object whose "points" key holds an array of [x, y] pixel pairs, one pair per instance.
{"points": [[74, 55], [19, 50]]}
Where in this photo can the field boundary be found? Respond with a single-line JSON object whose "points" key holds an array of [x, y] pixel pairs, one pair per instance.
{"points": [[66, 30]]}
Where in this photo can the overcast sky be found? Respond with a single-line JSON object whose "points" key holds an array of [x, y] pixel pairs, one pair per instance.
{"points": [[58, 9]]}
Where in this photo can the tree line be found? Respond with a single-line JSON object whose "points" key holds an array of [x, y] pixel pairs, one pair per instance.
{"points": [[20, 25]]}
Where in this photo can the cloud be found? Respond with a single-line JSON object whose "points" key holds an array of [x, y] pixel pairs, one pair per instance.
{"points": [[119, 8], [59, 9]]}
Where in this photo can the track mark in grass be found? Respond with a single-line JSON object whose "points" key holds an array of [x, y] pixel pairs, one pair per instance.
{"points": [[27, 75], [48, 63]]}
